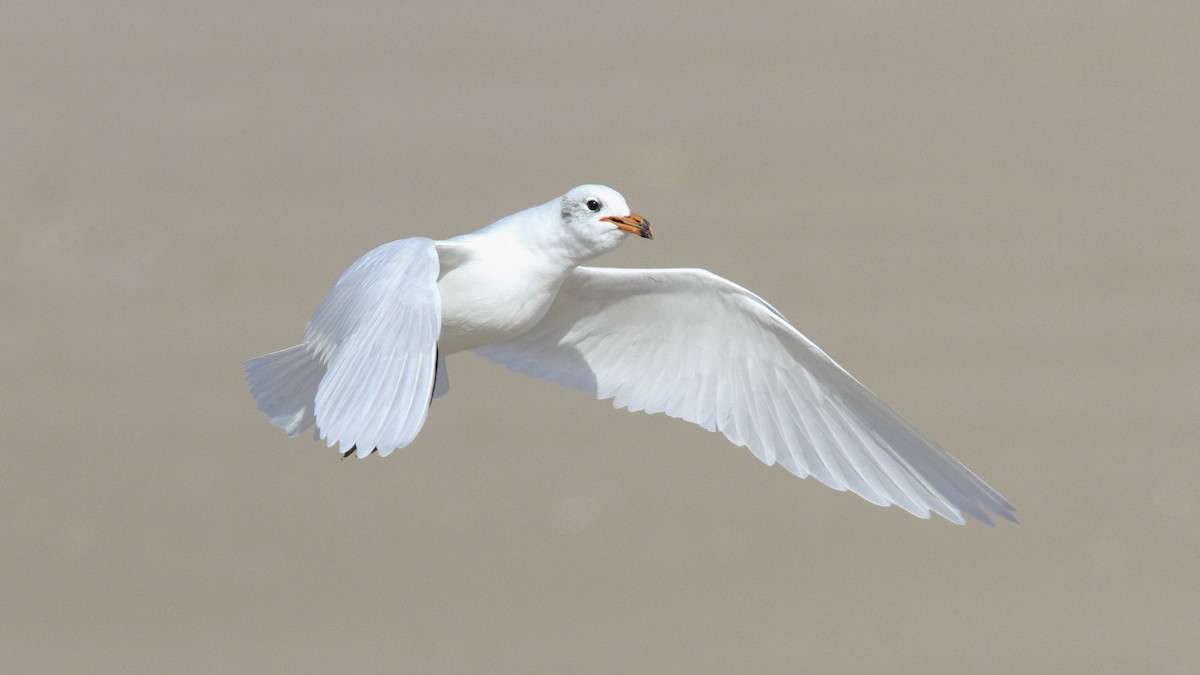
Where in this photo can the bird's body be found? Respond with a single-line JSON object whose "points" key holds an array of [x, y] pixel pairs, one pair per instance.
{"points": [[684, 342], [494, 286]]}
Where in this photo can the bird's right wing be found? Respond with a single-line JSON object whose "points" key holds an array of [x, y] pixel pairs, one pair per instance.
{"points": [[376, 332], [701, 348]]}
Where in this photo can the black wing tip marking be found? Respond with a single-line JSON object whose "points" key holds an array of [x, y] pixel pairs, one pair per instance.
{"points": [[354, 448]]}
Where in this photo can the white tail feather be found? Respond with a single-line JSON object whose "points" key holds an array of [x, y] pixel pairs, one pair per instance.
{"points": [[284, 384]]}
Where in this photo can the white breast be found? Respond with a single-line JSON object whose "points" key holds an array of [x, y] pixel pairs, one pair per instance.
{"points": [[491, 292]]}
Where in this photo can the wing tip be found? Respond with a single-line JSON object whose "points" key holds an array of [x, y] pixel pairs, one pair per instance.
{"points": [[984, 516]]}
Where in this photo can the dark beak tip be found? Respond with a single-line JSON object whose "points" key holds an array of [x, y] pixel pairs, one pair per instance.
{"points": [[633, 224]]}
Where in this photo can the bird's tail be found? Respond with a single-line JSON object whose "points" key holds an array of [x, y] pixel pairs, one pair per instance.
{"points": [[284, 384]]}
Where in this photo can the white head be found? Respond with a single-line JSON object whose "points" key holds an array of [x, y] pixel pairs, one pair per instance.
{"points": [[598, 218]]}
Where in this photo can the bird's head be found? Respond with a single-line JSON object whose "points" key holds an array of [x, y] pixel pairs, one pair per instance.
{"points": [[598, 216]]}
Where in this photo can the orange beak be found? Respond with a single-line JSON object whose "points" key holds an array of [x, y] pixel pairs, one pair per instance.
{"points": [[633, 224]]}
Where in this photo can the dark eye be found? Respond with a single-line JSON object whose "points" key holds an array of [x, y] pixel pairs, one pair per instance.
{"points": [[593, 204]]}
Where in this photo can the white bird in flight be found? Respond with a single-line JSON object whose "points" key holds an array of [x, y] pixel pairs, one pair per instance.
{"points": [[684, 342]]}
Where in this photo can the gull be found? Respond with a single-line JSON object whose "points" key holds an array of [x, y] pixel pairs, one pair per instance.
{"points": [[684, 342]]}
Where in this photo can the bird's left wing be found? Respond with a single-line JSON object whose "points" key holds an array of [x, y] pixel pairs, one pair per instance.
{"points": [[695, 346], [376, 332]]}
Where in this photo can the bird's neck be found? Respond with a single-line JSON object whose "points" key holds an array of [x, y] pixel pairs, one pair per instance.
{"points": [[536, 237]]}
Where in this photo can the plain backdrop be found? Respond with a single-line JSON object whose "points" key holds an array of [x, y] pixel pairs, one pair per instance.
{"points": [[988, 212]]}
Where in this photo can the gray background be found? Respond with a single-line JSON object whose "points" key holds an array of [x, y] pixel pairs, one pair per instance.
{"points": [[986, 211]]}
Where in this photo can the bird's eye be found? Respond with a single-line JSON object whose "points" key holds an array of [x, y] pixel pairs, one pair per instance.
{"points": [[593, 204]]}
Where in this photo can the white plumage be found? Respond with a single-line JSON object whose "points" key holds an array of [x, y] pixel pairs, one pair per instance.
{"points": [[680, 341]]}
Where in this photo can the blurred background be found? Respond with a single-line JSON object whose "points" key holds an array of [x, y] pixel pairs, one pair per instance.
{"points": [[988, 212]]}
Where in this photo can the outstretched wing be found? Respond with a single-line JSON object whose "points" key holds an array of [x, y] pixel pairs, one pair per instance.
{"points": [[695, 346], [376, 332]]}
